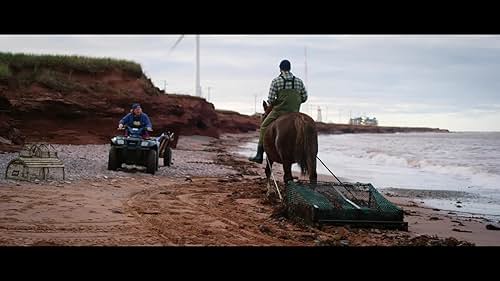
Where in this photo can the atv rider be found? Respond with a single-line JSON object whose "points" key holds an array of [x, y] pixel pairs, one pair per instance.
{"points": [[136, 119], [286, 94]]}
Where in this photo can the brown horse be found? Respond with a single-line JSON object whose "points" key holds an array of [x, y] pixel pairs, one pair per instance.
{"points": [[292, 138]]}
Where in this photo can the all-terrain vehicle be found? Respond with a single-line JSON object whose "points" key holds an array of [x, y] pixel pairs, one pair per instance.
{"points": [[134, 148]]}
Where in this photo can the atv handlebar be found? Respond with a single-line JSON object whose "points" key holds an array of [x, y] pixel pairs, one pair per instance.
{"points": [[125, 127]]}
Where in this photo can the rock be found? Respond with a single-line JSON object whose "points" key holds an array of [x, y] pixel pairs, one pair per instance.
{"points": [[344, 242], [68, 182], [309, 236], [435, 209], [459, 223], [492, 227], [458, 202], [458, 206], [105, 177], [408, 213], [5, 141], [343, 232], [117, 211], [460, 230], [434, 218], [264, 229]]}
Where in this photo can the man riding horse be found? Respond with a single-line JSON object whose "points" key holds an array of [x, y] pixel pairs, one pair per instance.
{"points": [[286, 94]]}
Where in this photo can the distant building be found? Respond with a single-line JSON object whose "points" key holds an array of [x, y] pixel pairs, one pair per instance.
{"points": [[363, 121], [370, 121], [356, 121]]}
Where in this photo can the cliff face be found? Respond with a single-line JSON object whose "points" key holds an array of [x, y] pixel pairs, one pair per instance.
{"points": [[234, 122], [79, 100], [58, 104]]}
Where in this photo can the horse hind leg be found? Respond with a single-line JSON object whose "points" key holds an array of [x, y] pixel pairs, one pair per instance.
{"points": [[269, 165], [313, 176], [287, 168]]}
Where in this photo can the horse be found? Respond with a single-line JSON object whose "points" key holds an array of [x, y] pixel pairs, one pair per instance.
{"points": [[292, 138]]}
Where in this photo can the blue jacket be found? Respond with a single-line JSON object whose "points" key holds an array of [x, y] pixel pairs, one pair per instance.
{"points": [[143, 119]]}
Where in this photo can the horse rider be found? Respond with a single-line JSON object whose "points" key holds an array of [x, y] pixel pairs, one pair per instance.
{"points": [[286, 94]]}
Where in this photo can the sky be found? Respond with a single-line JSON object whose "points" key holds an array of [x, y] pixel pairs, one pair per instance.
{"points": [[438, 81]]}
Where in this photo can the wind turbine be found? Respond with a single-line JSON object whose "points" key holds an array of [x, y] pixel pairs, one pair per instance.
{"points": [[197, 85]]}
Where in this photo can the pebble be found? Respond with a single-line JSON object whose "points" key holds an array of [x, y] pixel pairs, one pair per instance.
{"points": [[95, 161]]}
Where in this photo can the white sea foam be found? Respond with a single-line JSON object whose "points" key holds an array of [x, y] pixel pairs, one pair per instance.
{"points": [[456, 161]]}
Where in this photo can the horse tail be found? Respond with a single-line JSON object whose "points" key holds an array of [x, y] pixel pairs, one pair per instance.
{"points": [[306, 144]]}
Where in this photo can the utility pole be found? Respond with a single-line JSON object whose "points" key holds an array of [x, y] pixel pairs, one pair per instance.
{"points": [[165, 86], [197, 86], [208, 96], [255, 103], [326, 115]]}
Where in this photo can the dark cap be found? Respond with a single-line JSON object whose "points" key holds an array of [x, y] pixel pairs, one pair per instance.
{"points": [[285, 65], [135, 105]]}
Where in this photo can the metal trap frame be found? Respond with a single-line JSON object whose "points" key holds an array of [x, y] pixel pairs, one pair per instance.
{"points": [[356, 204], [34, 162]]}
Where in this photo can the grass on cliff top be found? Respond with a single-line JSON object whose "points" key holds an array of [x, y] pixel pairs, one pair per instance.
{"points": [[9, 61]]}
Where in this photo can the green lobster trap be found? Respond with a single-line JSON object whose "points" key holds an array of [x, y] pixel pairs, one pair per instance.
{"points": [[355, 204]]}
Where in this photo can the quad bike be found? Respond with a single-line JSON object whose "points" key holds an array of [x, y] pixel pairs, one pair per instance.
{"points": [[134, 149]]}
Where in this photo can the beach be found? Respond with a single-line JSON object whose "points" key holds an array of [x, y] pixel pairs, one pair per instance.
{"points": [[211, 195]]}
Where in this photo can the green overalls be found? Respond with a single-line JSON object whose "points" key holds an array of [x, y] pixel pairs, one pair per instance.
{"points": [[287, 100]]}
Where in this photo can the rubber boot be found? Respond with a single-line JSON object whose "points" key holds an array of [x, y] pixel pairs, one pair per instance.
{"points": [[260, 155]]}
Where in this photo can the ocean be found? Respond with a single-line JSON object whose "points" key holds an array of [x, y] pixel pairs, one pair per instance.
{"points": [[467, 164]]}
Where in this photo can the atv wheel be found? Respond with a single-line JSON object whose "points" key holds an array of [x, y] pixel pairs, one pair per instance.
{"points": [[167, 157], [113, 161], [157, 163], [151, 162]]}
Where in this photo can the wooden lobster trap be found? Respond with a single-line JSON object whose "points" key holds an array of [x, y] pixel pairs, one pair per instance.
{"points": [[35, 161]]}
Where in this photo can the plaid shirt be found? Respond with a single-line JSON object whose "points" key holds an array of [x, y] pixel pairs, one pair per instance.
{"points": [[278, 84]]}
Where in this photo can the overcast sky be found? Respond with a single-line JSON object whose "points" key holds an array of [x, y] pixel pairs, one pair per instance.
{"points": [[444, 81]]}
